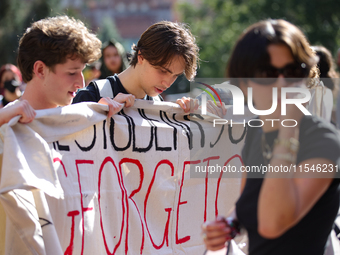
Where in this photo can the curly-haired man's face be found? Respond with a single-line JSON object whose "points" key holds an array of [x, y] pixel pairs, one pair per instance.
{"points": [[62, 83]]}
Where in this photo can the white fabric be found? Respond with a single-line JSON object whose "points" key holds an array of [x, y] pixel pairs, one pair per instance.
{"points": [[104, 87], [333, 242], [321, 102], [74, 182], [232, 249]]}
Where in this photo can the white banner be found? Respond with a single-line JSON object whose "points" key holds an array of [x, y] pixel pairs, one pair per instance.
{"points": [[74, 182]]}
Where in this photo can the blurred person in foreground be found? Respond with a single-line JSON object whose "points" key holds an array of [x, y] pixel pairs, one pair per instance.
{"points": [[292, 214]]}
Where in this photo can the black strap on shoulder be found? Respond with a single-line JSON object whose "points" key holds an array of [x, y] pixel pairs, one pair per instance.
{"points": [[96, 89], [112, 82], [337, 230]]}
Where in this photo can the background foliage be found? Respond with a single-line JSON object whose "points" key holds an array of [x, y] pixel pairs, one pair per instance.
{"points": [[218, 23], [16, 16]]}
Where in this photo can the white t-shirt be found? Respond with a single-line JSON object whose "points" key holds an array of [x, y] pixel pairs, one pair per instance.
{"points": [[2, 212]]}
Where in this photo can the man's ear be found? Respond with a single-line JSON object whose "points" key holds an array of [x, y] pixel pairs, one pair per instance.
{"points": [[39, 69], [140, 57]]}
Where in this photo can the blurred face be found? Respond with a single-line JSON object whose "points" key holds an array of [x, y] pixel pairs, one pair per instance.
{"points": [[8, 75], [62, 83], [156, 79], [280, 57], [112, 59]]}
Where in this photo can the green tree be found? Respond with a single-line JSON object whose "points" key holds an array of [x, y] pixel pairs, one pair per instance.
{"points": [[15, 16], [318, 19], [218, 23], [108, 30]]}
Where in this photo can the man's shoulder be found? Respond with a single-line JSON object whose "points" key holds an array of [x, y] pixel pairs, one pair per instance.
{"points": [[87, 94]]}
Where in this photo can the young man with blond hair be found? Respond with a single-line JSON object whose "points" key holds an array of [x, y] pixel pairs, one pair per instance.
{"points": [[164, 51]]}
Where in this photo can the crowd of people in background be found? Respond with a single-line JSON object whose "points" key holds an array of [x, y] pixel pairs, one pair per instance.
{"points": [[115, 59]]}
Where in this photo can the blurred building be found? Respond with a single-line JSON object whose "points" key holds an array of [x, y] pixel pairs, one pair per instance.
{"points": [[131, 17]]}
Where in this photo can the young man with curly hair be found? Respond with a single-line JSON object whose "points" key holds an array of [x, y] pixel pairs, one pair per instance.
{"points": [[52, 54]]}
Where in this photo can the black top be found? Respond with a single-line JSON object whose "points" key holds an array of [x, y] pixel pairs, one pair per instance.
{"points": [[91, 92], [317, 139]]}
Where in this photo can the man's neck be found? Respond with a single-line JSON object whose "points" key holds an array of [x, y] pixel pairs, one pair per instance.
{"points": [[130, 81], [36, 99]]}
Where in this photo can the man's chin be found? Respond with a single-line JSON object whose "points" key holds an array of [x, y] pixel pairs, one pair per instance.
{"points": [[154, 94], [65, 103]]}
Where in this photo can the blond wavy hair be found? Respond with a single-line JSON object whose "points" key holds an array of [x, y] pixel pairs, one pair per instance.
{"points": [[164, 40]]}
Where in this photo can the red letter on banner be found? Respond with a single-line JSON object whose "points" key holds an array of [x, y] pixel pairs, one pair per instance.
{"points": [[168, 210], [186, 238], [106, 160], [141, 174], [82, 203]]}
